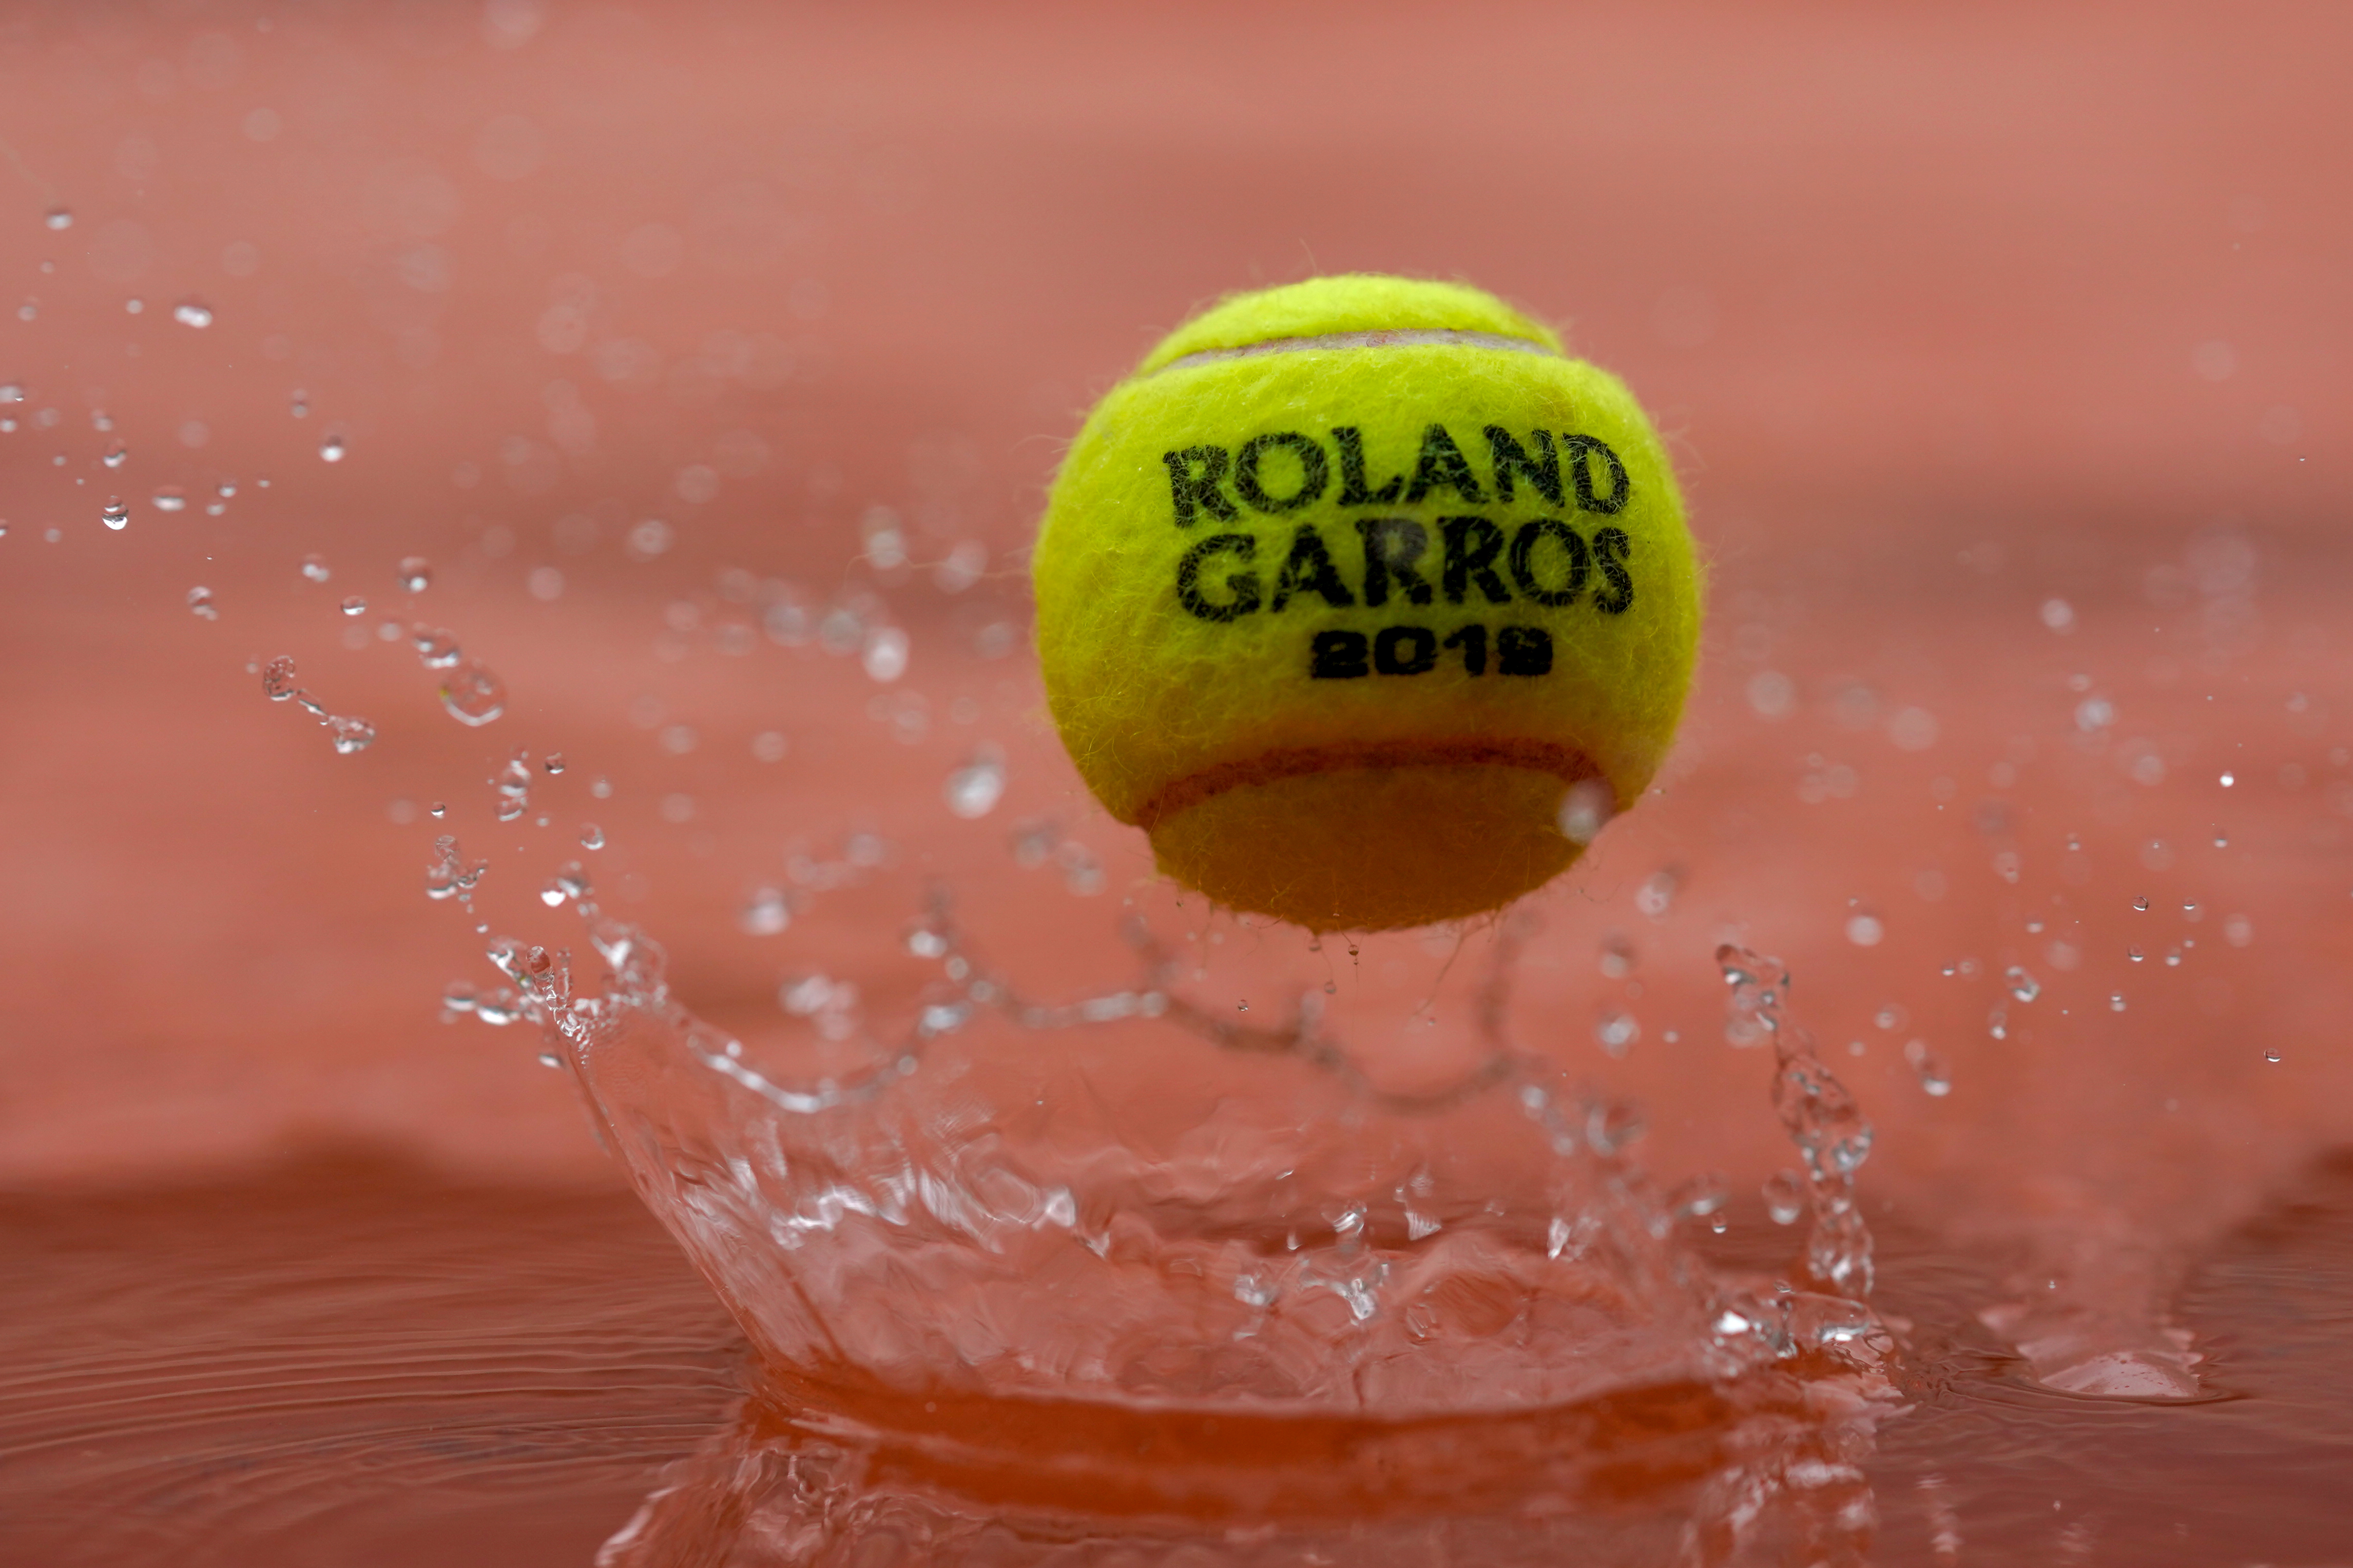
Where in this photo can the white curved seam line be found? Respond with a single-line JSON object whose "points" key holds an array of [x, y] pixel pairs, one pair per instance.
{"points": [[1410, 338]]}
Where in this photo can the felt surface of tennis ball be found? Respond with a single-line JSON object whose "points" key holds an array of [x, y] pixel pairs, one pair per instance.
{"points": [[1345, 589]]}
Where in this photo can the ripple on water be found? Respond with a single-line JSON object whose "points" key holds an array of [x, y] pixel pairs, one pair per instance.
{"points": [[342, 1361]]}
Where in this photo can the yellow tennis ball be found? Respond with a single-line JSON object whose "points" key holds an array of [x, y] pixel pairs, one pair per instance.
{"points": [[1365, 602]]}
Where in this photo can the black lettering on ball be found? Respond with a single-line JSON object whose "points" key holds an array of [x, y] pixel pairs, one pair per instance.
{"points": [[1523, 650], [1611, 547], [1354, 490], [1315, 472], [1337, 655], [1442, 466], [1581, 473], [1543, 470], [1308, 568], [1525, 567], [1241, 588], [1473, 640], [1392, 547], [1472, 545], [1405, 650], [1193, 475]]}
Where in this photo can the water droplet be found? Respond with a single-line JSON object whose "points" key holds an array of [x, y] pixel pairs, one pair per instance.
{"points": [[555, 763], [115, 454], [974, 789], [2135, 954], [2141, 904], [2229, 779], [437, 809], [170, 499], [300, 407], [134, 306], [332, 450], [474, 695], [1656, 896], [2059, 615], [315, 568], [552, 895], [416, 573], [2094, 714], [2116, 1001], [499, 1006], [192, 313], [515, 787], [2173, 958], [601, 787], [436, 646], [2023, 986], [354, 605], [2221, 839], [59, 217], [591, 836], [114, 514], [1616, 1032], [351, 734], [885, 658], [200, 602], [766, 913], [2271, 1057], [1936, 1078], [1785, 1197], [1585, 810], [1864, 930], [458, 997], [278, 679], [1616, 959]]}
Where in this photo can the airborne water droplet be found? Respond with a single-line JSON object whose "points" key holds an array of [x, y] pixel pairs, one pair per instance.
{"points": [[315, 568], [59, 217], [974, 789], [1785, 1198], [170, 499], [192, 313], [278, 679], [332, 450], [115, 454], [200, 602], [1936, 1078], [354, 605], [114, 514], [416, 573], [591, 836], [351, 734], [766, 913], [1585, 810], [436, 646], [2023, 986], [474, 695]]}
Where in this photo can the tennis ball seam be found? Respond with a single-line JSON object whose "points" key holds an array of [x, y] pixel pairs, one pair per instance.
{"points": [[1566, 763], [1400, 338]]}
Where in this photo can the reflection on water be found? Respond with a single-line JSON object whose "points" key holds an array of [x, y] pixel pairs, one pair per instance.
{"points": [[369, 1365]]}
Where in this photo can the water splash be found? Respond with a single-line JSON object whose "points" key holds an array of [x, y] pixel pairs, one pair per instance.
{"points": [[1821, 1117]]}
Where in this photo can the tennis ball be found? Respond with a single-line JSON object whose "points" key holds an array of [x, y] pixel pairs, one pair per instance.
{"points": [[1365, 602]]}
